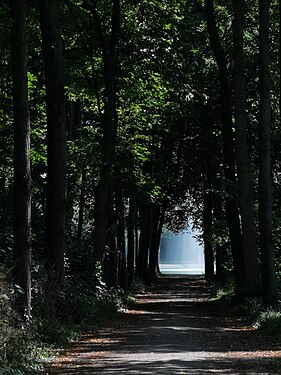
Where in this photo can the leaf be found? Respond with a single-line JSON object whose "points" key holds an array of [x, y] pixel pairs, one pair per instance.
{"points": [[19, 289]]}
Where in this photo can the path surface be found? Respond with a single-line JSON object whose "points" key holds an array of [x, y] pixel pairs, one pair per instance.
{"points": [[174, 329]]}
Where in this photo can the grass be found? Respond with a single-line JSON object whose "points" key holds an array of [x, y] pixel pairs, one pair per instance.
{"points": [[137, 286], [128, 299], [225, 294], [269, 322]]}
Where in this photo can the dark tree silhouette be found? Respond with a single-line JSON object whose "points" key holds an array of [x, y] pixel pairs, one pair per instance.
{"points": [[265, 172], [56, 139], [245, 192], [22, 177], [232, 213]]}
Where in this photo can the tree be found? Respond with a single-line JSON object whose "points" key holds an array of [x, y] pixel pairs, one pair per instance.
{"points": [[158, 223], [131, 257], [108, 42], [22, 176], [145, 227], [265, 171], [121, 242], [208, 236], [232, 213], [56, 140], [245, 192]]}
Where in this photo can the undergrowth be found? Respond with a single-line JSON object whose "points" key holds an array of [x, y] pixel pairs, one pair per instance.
{"points": [[269, 322], [20, 351], [223, 294], [84, 306], [266, 321]]}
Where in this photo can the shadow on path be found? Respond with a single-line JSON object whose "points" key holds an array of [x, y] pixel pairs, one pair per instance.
{"points": [[173, 329]]}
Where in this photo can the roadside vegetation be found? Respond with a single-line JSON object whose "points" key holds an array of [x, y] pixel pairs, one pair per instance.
{"points": [[27, 347], [265, 319]]}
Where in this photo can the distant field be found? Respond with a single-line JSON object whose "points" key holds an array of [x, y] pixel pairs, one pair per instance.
{"points": [[182, 269]]}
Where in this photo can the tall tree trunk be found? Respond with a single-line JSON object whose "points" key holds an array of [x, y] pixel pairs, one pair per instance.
{"points": [[121, 243], [221, 249], [153, 250], [144, 240], [265, 172], [56, 139], [74, 119], [136, 229], [208, 162], [232, 213], [22, 177], [109, 122], [155, 245], [279, 63], [208, 236], [75, 180], [131, 242], [110, 264], [81, 204], [243, 173]]}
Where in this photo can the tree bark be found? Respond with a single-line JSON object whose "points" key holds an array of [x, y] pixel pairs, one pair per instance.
{"points": [[56, 140], [265, 172], [131, 243], [81, 204], [243, 170], [208, 237], [144, 240], [208, 161], [75, 119], [121, 239], [110, 265], [75, 181], [232, 213], [153, 250], [279, 64], [136, 229], [22, 176], [155, 245], [221, 249], [109, 123]]}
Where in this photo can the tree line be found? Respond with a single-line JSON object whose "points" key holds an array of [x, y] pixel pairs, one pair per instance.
{"points": [[122, 118]]}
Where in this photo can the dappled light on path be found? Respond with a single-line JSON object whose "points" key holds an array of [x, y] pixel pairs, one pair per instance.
{"points": [[175, 329]]}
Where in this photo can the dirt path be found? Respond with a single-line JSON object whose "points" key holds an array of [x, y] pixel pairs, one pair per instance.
{"points": [[175, 329]]}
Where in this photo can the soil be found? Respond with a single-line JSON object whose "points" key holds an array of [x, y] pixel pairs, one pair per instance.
{"points": [[174, 328]]}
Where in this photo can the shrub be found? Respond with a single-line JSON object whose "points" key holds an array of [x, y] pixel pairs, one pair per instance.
{"points": [[269, 322], [137, 286], [84, 303], [20, 353], [6, 316], [225, 294], [250, 308], [56, 333]]}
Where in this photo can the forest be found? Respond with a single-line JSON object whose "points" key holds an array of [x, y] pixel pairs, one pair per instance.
{"points": [[120, 119]]}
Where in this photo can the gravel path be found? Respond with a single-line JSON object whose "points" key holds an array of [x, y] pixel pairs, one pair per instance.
{"points": [[173, 329]]}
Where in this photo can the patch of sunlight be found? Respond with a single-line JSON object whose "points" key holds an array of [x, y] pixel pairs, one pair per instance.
{"points": [[181, 253], [274, 354]]}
